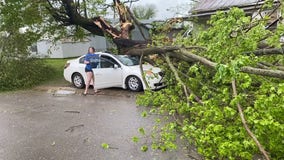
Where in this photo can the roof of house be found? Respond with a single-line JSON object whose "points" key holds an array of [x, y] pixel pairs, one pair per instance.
{"points": [[208, 7]]}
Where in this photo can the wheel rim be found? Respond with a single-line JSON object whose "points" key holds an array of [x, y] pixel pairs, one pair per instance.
{"points": [[77, 81], [133, 83]]}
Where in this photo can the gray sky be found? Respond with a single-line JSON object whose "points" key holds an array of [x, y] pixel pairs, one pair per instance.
{"points": [[168, 8]]}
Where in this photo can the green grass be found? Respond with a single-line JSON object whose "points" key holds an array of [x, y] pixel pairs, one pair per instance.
{"points": [[57, 65]]}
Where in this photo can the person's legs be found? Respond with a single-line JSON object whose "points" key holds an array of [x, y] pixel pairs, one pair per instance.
{"points": [[88, 81], [92, 82], [95, 89]]}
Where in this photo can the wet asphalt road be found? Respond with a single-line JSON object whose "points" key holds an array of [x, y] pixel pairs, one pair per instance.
{"points": [[38, 125]]}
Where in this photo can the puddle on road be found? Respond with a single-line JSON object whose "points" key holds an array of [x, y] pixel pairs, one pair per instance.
{"points": [[62, 91], [68, 91]]}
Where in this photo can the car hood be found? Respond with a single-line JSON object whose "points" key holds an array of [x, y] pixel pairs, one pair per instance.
{"points": [[147, 67]]}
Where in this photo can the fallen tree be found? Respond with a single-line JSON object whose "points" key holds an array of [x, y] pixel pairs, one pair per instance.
{"points": [[188, 54], [201, 85]]}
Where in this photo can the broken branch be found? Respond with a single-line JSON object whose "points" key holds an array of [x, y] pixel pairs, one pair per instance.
{"points": [[245, 69], [186, 90], [260, 147]]}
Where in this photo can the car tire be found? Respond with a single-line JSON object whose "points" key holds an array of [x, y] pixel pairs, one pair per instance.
{"points": [[78, 80], [133, 83]]}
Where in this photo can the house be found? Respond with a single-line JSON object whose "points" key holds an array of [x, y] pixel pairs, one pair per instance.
{"points": [[145, 26], [67, 47], [203, 10]]}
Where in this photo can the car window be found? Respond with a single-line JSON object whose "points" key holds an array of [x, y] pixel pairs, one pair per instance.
{"points": [[128, 60], [107, 62], [81, 60]]}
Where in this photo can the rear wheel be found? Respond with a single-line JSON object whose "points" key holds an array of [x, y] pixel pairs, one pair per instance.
{"points": [[133, 83], [78, 81]]}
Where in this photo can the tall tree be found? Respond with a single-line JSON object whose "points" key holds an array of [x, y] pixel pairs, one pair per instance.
{"points": [[143, 12], [61, 17]]}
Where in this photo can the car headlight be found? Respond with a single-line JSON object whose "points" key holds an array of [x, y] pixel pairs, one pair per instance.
{"points": [[149, 73]]}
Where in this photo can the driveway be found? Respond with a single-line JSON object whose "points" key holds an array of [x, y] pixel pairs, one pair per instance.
{"points": [[44, 124]]}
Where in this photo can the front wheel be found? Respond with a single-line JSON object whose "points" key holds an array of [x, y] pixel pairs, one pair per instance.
{"points": [[133, 83], [78, 81]]}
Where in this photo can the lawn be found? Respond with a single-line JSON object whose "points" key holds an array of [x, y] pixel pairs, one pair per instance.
{"points": [[58, 66]]}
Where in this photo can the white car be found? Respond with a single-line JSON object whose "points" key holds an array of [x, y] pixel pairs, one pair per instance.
{"points": [[115, 71]]}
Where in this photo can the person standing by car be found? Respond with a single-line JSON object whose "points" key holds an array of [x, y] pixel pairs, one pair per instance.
{"points": [[91, 61]]}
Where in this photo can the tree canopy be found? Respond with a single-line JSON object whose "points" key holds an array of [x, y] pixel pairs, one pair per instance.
{"points": [[143, 12]]}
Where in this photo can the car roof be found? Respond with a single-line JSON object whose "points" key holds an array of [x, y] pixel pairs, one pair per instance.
{"points": [[101, 53]]}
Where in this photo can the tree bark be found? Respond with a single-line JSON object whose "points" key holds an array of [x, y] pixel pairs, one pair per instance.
{"points": [[269, 51], [69, 16]]}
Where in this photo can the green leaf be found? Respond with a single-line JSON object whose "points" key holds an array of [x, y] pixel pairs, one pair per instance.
{"points": [[154, 146], [105, 146], [141, 131], [135, 139], [144, 148], [144, 114]]}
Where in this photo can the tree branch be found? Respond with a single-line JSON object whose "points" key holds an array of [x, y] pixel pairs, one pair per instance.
{"points": [[186, 90], [149, 51], [125, 20], [245, 69], [177, 77], [142, 71], [272, 66], [69, 16], [185, 55], [138, 24], [85, 9], [260, 147], [270, 51], [57, 14], [106, 27], [263, 72]]}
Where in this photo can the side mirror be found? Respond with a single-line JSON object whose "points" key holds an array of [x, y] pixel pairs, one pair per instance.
{"points": [[115, 66]]}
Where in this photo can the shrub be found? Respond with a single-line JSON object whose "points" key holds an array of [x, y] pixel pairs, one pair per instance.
{"points": [[21, 74]]}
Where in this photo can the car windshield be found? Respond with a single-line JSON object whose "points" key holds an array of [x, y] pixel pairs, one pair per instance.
{"points": [[128, 60]]}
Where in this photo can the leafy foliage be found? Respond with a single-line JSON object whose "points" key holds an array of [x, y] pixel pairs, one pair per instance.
{"points": [[24, 23], [105, 146], [214, 125], [21, 74], [144, 12]]}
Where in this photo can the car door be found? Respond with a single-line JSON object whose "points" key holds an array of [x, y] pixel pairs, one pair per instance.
{"points": [[108, 73]]}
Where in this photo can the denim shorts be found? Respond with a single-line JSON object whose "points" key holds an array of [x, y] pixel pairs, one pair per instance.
{"points": [[87, 70]]}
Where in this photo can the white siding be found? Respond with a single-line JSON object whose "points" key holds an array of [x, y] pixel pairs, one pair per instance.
{"points": [[74, 49], [45, 48], [64, 49], [99, 42]]}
